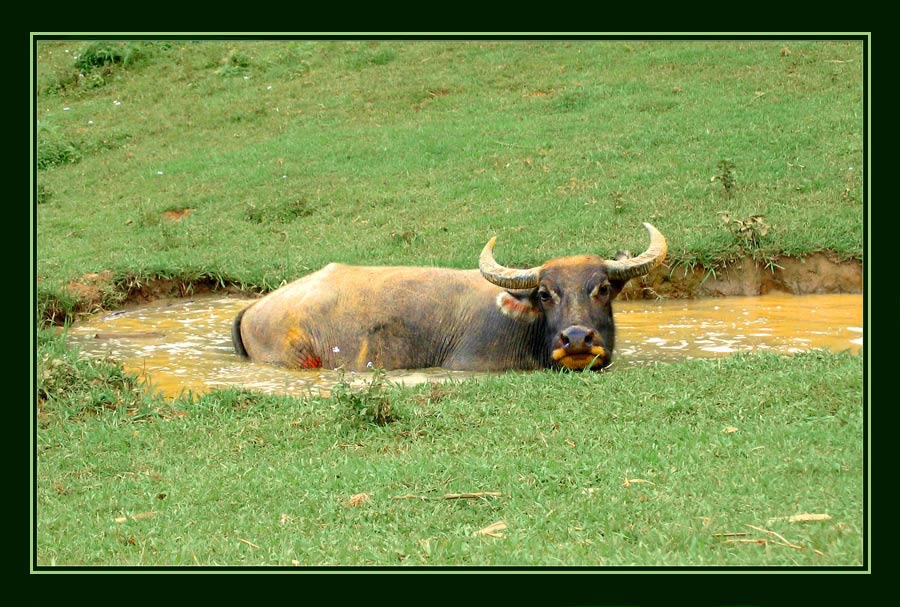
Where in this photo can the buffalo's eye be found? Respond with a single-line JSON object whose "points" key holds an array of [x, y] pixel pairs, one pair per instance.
{"points": [[544, 295], [601, 290]]}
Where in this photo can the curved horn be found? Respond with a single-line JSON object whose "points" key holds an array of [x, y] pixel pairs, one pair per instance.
{"points": [[508, 278], [623, 269]]}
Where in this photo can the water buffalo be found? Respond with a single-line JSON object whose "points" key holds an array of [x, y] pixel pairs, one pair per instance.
{"points": [[557, 315]]}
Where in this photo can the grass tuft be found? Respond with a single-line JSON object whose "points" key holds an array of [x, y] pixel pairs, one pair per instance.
{"points": [[53, 149], [103, 54], [727, 176], [72, 387], [367, 404], [278, 213]]}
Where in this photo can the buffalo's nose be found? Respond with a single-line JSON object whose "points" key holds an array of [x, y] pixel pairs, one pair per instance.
{"points": [[577, 338]]}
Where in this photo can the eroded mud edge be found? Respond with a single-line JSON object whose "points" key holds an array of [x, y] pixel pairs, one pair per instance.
{"points": [[817, 273]]}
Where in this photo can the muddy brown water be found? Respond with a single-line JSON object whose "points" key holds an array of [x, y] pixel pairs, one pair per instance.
{"points": [[185, 344]]}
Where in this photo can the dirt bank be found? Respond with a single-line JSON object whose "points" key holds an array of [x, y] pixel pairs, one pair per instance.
{"points": [[799, 276], [814, 274]]}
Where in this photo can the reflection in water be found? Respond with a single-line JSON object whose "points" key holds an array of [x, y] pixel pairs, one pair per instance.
{"points": [[185, 345]]}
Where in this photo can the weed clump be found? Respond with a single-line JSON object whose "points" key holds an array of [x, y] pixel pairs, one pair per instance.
{"points": [[235, 63], [373, 57], [95, 63], [56, 307], [105, 53], [278, 213], [747, 232], [366, 405], [728, 176], [44, 194], [55, 150]]}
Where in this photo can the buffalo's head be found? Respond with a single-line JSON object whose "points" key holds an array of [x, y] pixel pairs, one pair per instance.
{"points": [[572, 296]]}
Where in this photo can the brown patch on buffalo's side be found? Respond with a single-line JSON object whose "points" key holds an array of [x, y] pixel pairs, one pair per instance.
{"points": [[298, 349], [361, 358], [311, 362]]}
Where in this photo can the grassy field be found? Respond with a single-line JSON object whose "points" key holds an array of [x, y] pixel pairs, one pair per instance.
{"points": [[640, 467], [252, 163]]}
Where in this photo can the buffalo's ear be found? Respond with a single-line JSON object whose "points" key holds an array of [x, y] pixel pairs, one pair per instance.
{"points": [[521, 306]]}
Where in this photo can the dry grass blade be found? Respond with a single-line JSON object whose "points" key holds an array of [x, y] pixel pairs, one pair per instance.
{"points": [[143, 515], [456, 496], [248, 542], [757, 96], [135, 517], [775, 534], [761, 541], [450, 496], [801, 518], [781, 541], [492, 530], [359, 498]]}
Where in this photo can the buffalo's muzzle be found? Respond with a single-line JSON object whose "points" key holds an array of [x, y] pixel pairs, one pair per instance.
{"points": [[579, 347]]}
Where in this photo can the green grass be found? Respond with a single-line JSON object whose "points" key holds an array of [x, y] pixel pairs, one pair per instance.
{"points": [[419, 152], [280, 473], [288, 155]]}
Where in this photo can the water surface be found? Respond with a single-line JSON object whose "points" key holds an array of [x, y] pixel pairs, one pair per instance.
{"points": [[185, 344]]}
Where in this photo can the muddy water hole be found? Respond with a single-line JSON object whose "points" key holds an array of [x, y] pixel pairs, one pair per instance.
{"points": [[181, 346]]}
